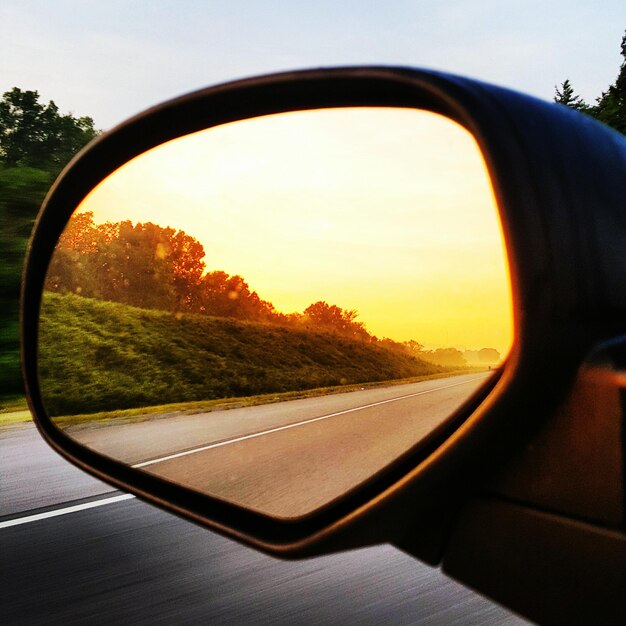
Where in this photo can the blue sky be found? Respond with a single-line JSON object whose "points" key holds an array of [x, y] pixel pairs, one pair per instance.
{"points": [[112, 59]]}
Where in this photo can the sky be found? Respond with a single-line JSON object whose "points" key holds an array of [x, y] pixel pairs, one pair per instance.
{"points": [[113, 59]]}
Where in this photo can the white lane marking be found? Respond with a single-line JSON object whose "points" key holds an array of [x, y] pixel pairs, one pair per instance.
{"points": [[128, 496], [228, 442], [69, 509]]}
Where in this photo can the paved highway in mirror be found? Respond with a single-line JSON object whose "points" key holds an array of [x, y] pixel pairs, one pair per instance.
{"points": [[284, 459]]}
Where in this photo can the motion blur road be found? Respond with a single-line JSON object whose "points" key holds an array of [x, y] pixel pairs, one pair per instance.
{"points": [[127, 562], [289, 458]]}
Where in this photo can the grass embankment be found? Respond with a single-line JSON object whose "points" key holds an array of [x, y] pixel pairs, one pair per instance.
{"points": [[11, 404], [102, 356], [142, 414]]}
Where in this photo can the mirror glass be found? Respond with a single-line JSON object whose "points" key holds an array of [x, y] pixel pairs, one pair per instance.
{"points": [[274, 310]]}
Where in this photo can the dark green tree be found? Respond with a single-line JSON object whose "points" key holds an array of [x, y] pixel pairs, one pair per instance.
{"points": [[610, 107], [21, 192], [36, 141], [566, 96], [36, 135]]}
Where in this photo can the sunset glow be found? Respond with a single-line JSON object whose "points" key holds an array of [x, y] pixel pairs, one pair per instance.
{"points": [[386, 211]]}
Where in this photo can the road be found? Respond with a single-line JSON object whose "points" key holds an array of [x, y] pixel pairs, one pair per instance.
{"points": [[127, 562], [290, 458]]}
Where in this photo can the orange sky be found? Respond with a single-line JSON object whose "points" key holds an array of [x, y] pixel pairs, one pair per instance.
{"points": [[387, 211]]}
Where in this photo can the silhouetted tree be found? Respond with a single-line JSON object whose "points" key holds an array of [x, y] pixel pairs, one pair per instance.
{"points": [[566, 96], [334, 318], [71, 267], [489, 355], [223, 295], [413, 347], [610, 107], [448, 357]]}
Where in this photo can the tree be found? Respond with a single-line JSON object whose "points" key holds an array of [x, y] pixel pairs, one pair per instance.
{"points": [[35, 143], [448, 357], [489, 355], [71, 266], [223, 295], [36, 135], [334, 318], [21, 192], [413, 347], [143, 264], [566, 96], [610, 107], [186, 256], [149, 266]]}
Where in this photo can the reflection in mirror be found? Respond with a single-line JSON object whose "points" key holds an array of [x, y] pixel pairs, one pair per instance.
{"points": [[274, 310]]}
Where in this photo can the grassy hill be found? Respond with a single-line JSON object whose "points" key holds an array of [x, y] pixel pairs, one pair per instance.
{"points": [[99, 356]]}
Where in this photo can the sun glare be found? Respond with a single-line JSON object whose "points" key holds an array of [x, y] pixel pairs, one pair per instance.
{"points": [[386, 211]]}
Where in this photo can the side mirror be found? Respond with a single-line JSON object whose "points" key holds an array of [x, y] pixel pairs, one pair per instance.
{"points": [[253, 385], [291, 245]]}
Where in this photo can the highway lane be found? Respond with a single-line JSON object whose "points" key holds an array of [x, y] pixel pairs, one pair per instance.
{"points": [[159, 436], [290, 458], [33, 476], [128, 562], [131, 563]]}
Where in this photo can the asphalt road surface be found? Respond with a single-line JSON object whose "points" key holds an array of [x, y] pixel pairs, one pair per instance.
{"points": [[286, 459], [127, 562]]}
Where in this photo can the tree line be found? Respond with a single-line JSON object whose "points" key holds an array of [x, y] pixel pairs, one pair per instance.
{"points": [[154, 267], [149, 266]]}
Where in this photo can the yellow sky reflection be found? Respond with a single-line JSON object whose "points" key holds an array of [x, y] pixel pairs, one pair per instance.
{"points": [[387, 211]]}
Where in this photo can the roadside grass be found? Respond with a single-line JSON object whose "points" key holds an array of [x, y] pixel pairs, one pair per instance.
{"points": [[97, 356], [13, 410], [16, 417], [12, 404], [141, 414], [15, 414]]}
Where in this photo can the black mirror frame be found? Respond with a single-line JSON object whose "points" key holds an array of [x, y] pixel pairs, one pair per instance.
{"points": [[559, 246]]}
